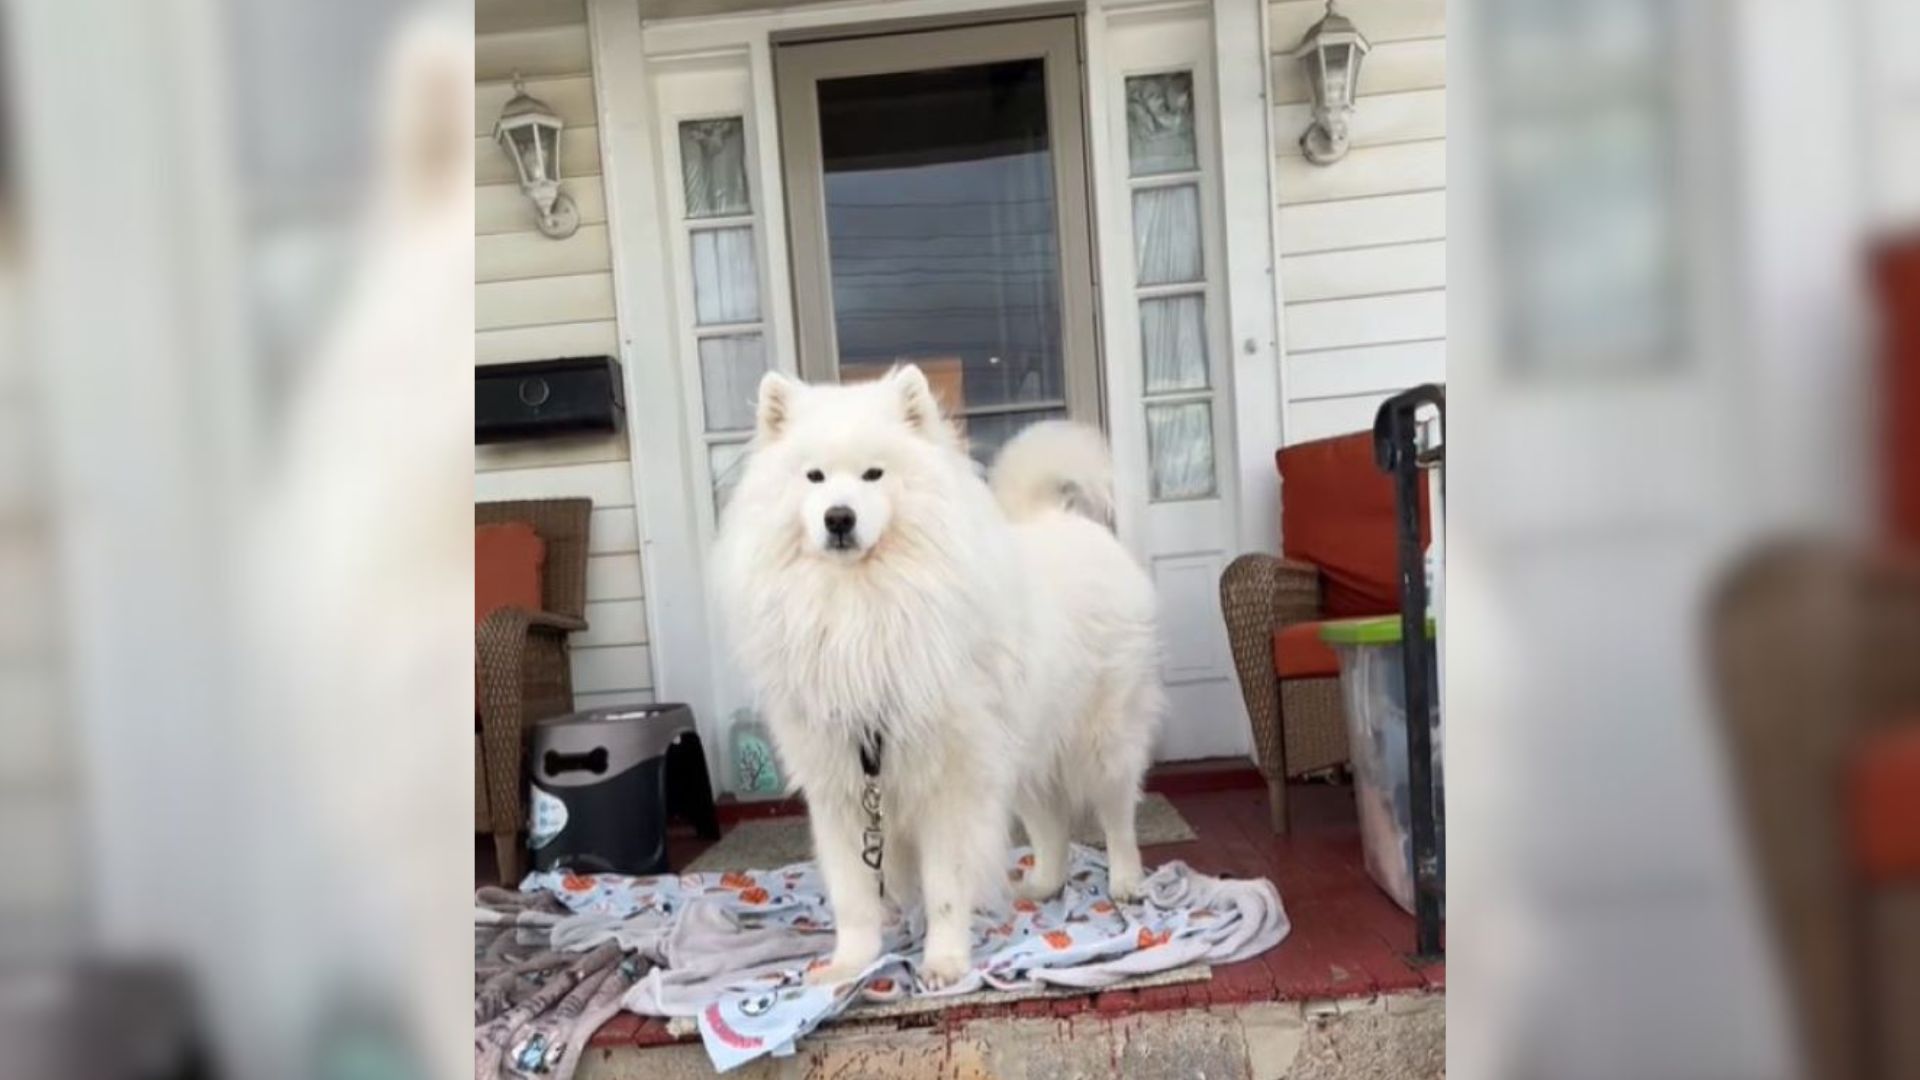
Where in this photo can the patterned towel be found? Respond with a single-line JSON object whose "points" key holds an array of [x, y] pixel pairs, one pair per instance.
{"points": [[733, 948], [534, 1005]]}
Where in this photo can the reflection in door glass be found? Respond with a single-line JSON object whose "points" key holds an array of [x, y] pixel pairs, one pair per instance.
{"points": [[941, 231], [713, 167]]}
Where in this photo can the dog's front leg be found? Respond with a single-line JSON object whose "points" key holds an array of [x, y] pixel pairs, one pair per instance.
{"points": [[852, 886], [960, 850]]}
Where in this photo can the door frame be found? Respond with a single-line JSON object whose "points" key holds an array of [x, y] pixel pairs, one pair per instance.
{"points": [[628, 50], [798, 69]]}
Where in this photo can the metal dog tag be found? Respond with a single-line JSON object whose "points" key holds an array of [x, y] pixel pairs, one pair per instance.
{"points": [[870, 838]]}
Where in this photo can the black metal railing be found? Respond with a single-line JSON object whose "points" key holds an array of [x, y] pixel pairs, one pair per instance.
{"points": [[1396, 448]]}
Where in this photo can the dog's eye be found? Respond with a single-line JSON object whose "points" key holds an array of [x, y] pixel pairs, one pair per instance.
{"points": [[872, 474], [815, 475]]}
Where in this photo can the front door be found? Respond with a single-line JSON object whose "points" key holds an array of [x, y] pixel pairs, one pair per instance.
{"points": [[940, 206], [936, 186]]}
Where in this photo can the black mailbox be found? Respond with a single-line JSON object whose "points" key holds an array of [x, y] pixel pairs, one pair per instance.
{"points": [[538, 398]]}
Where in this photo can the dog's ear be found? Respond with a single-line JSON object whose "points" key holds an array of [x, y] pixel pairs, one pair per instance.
{"points": [[775, 404], [918, 407]]}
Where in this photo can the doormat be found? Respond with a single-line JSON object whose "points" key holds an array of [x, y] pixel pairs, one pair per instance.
{"points": [[769, 845]]}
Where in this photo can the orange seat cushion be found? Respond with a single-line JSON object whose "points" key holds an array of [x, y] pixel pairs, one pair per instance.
{"points": [[1298, 653], [508, 563], [1885, 805], [1338, 513]]}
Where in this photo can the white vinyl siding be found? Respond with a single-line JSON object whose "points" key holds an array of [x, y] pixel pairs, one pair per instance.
{"points": [[520, 254], [541, 301], [594, 337], [534, 53], [1363, 260], [1382, 21], [500, 208], [537, 298], [1309, 228]]}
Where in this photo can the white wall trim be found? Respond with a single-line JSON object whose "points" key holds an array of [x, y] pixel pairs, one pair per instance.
{"points": [[1241, 59], [696, 34], [1113, 260], [1183, 543], [779, 314], [671, 556]]}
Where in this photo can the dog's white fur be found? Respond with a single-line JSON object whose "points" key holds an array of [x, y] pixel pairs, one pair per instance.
{"points": [[1002, 643]]}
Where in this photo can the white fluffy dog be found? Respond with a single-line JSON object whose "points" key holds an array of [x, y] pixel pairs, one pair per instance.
{"points": [[997, 648]]}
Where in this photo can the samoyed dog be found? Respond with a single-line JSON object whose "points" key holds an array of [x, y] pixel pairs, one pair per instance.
{"points": [[976, 649]]}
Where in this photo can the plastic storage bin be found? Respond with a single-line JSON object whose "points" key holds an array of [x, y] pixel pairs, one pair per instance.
{"points": [[600, 798], [1373, 688]]}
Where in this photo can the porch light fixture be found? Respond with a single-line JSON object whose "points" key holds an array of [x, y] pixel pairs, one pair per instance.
{"points": [[529, 132], [1331, 54]]}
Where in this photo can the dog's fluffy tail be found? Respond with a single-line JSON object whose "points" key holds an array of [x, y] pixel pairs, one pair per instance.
{"points": [[1054, 465]]}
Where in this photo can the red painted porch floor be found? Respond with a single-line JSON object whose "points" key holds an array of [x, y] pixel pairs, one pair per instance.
{"points": [[1348, 939]]}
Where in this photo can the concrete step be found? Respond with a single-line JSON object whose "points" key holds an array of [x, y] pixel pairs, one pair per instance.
{"points": [[1395, 1037]]}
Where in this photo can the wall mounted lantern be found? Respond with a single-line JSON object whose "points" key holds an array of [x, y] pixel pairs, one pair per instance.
{"points": [[1330, 54], [529, 132]]}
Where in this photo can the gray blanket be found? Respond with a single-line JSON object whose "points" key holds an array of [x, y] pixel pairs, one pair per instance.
{"points": [[535, 1004]]}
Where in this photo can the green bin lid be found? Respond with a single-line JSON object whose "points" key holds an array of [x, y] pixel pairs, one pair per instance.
{"points": [[1373, 630]]}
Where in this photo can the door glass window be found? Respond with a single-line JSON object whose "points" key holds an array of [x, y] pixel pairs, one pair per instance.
{"points": [[713, 167], [1160, 124], [1170, 284], [1173, 339], [726, 283], [730, 370], [942, 237], [1587, 222], [1180, 446], [1166, 234], [730, 336]]}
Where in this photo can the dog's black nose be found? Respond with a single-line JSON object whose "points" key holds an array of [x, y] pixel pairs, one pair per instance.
{"points": [[839, 520]]}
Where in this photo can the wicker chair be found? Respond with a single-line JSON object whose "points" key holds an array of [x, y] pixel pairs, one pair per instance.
{"points": [[1299, 725], [1340, 559], [1812, 650], [521, 659]]}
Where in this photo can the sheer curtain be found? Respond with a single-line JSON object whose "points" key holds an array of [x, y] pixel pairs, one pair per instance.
{"points": [[726, 291], [1166, 235], [723, 463], [726, 285], [1173, 339], [730, 370], [1173, 343], [1180, 444]]}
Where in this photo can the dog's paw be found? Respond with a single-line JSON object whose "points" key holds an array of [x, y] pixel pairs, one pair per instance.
{"points": [[943, 969], [1038, 888], [1126, 887]]}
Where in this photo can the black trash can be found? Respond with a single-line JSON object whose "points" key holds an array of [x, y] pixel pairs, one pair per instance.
{"points": [[604, 783]]}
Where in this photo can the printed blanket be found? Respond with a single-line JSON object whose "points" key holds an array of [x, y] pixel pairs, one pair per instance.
{"points": [[733, 948], [534, 1005]]}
